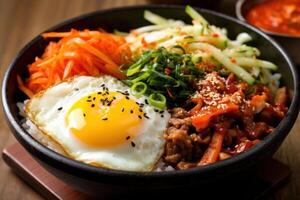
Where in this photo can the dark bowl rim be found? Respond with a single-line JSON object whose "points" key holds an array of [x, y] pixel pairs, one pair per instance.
{"points": [[239, 14], [61, 162]]}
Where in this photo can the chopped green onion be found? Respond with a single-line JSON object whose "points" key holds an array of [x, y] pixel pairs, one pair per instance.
{"points": [[141, 77], [177, 49], [161, 69], [157, 100], [136, 67], [138, 89]]}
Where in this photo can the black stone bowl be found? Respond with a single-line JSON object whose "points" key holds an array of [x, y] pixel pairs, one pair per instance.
{"points": [[99, 181]]}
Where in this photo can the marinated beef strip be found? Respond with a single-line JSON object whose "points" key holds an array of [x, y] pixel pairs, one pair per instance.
{"points": [[224, 118]]}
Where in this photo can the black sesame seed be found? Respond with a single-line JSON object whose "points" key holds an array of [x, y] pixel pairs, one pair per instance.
{"points": [[99, 93], [142, 105], [93, 105], [137, 103], [60, 108], [161, 112], [88, 100], [128, 137], [140, 116], [84, 114], [103, 85], [122, 109], [127, 97], [76, 89], [114, 98], [131, 111], [132, 144], [105, 118], [146, 116], [107, 92], [140, 110], [146, 101], [161, 116], [89, 97], [94, 98], [155, 110]]}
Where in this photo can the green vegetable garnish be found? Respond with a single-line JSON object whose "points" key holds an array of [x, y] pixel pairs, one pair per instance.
{"points": [[138, 89], [170, 73], [157, 100]]}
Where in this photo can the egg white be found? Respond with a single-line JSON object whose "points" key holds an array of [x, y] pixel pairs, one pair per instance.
{"points": [[43, 111]]}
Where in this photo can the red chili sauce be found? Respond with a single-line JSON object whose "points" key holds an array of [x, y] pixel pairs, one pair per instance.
{"points": [[281, 16]]}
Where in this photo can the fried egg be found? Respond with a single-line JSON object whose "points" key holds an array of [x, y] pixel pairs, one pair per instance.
{"points": [[98, 121]]}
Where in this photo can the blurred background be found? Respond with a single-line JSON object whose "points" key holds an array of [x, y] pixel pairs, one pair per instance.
{"points": [[21, 20]]}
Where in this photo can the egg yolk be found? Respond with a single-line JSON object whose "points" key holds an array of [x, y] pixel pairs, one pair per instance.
{"points": [[105, 119]]}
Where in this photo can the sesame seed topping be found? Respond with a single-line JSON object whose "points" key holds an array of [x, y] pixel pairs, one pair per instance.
{"points": [[128, 137], [60, 108], [146, 116], [132, 144], [93, 105], [140, 116], [146, 101], [122, 109], [76, 89], [127, 97], [131, 111], [105, 118]]}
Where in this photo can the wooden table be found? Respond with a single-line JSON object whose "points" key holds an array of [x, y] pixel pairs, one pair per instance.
{"points": [[21, 20]]}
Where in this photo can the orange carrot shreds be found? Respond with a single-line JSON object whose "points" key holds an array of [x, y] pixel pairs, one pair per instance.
{"points": [[86, 52], [202, 119], [211, 155]]}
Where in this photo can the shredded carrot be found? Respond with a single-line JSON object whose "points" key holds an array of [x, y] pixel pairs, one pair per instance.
{"points": [[84, 52], [202, 118], [211, 154], [258, 102]]}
